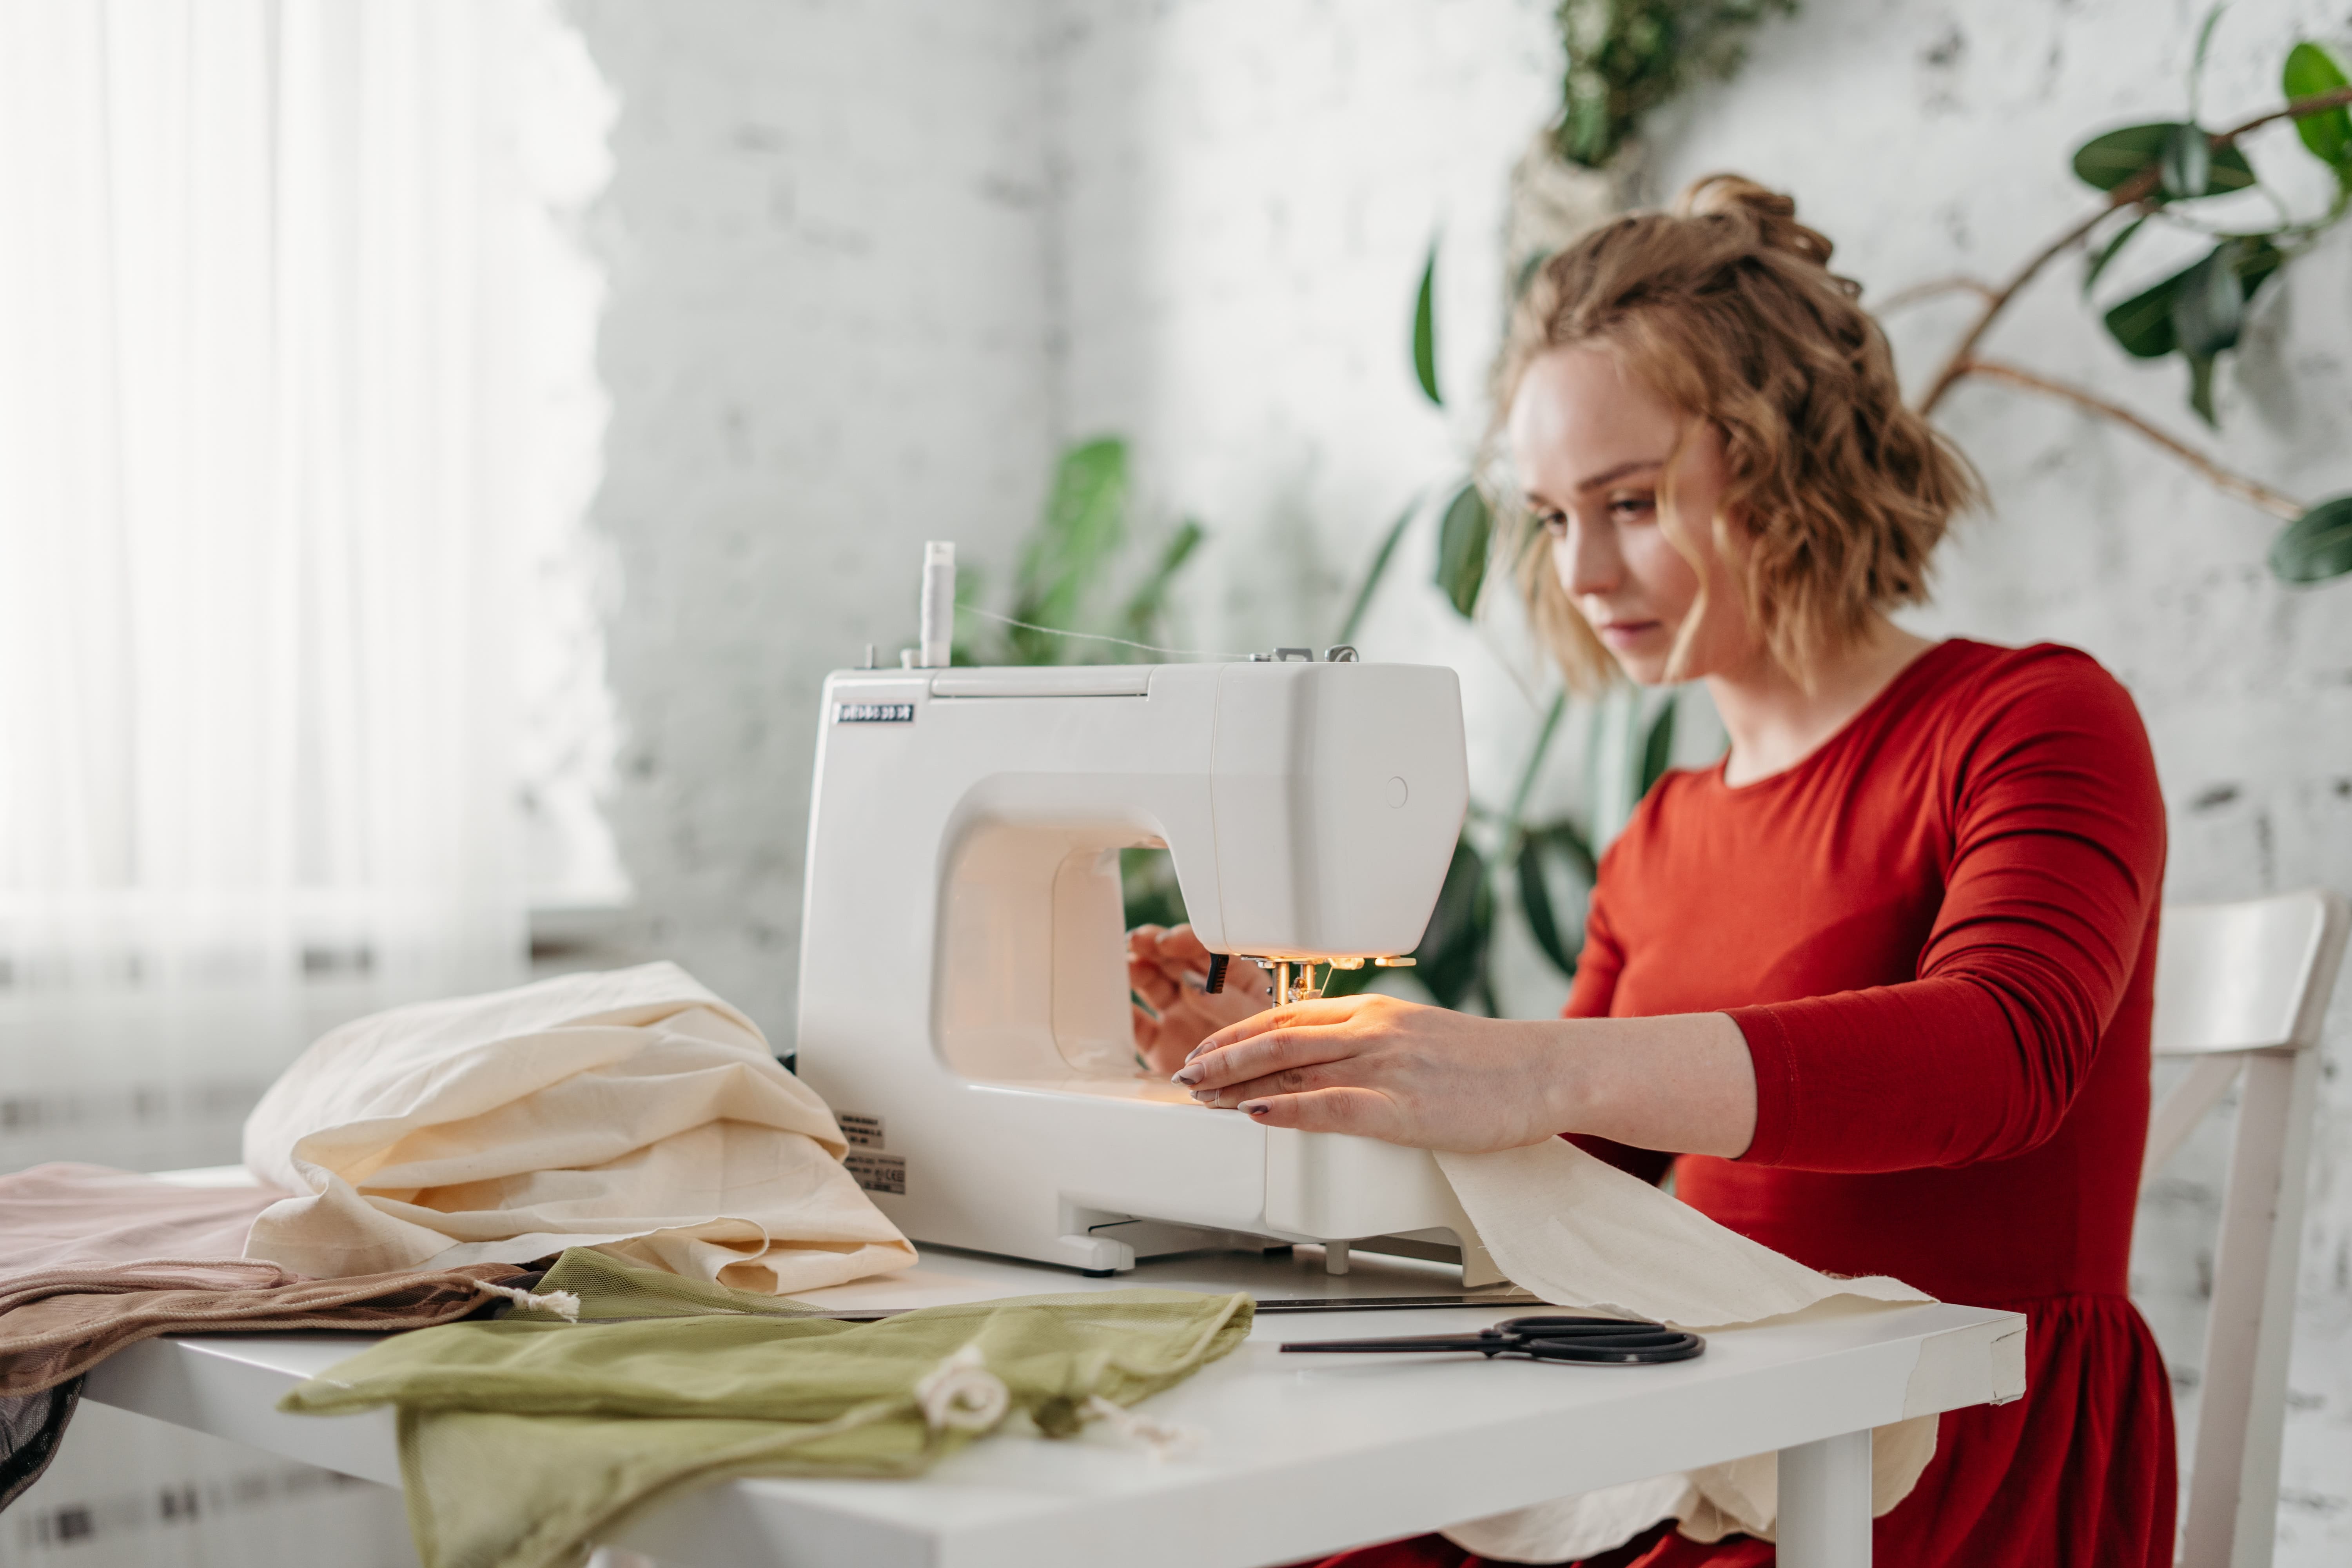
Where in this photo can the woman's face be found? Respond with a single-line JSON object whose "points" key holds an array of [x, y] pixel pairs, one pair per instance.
{"points": [[1591, 445]]}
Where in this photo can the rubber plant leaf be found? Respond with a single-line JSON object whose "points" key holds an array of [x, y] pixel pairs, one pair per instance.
{"points": [[2204, 46], [2109, 251], [2210, 303], [2200, 386], [1463, 540], [1567, 840], [2316, 546], [2106, 161], [1373, 574], [1658, 748], [2310, 71], [2187, 165], [1534, 902], [2143, 324], [1452, 956], [1424, 329]]}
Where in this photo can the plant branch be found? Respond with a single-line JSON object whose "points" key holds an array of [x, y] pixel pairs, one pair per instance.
{"points": [[2299, 108], [2253, 491], [2138, 188], [1929, 291]]}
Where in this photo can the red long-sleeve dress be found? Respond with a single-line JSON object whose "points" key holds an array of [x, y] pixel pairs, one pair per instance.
{"points": [[1937, 932]]}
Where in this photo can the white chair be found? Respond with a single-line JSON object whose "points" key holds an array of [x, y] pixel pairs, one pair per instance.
{"points": [[2245, 986]]}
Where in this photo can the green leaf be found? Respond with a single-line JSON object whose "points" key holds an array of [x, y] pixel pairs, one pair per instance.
{"points": [[2200, 386], [2316, 546], [1424, 329], [1528, 270], [1534, 902], [1140, 620], [2310, 71], [1147, 879], [2196, 58], [2106, 161], [2210, 303], [1377, 569], [1567, 840], [1451, 958], [2187, 163], [1544, 733], [1560, 841], [1072, 546], [1464, 538], [1657, 747], [2109, 251], [2143, 324]]}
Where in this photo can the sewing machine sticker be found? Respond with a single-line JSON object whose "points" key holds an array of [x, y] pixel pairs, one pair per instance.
{"points": [[872, 713], [878, 1172]]}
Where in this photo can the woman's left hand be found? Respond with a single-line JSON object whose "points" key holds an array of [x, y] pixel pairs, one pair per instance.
{"points": [[1386, 1069]]}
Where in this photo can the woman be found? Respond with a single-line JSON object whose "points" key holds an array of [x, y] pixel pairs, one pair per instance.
{"points": [[1876, 984]]}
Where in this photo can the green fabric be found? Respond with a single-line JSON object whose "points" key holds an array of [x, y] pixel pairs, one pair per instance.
{"points": [[524, 1439]]}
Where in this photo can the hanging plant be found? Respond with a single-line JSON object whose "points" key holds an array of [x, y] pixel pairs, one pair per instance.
{"points": [[1625, 57]]}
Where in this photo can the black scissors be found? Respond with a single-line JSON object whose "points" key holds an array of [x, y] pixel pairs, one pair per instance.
{"points": [[1606, 1342]]}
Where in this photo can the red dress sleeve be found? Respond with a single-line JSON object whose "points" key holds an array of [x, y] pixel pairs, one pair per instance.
{"points": [[2057, 856], [1597, 967]]}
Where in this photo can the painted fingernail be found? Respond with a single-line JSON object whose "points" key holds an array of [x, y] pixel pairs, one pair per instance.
{"points": [[1187, 1075], [1255, 1107], [1206, 1096]]}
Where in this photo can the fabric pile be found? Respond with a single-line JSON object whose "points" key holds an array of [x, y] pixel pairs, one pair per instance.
{"points": [[631, 1110], [412, 1164], [523, 1440], [98, 1259]]}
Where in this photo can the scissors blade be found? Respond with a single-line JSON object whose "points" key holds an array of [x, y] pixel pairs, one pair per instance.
{"points": [[1485, 1343]]}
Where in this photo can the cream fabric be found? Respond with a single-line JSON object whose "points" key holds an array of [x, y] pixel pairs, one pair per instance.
{"points": [[1581, 1233], [631, 1110]]}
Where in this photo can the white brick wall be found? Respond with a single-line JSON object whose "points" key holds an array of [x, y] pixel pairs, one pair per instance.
{"points": [[871, 264], [828, 261]]}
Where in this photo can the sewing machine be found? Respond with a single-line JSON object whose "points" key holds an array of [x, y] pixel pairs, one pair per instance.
{"points": [[964, 998]]}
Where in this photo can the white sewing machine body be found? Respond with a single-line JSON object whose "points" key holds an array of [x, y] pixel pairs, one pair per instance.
{"points": [[963, 1002]]}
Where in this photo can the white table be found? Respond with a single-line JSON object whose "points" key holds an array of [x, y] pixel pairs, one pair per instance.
{"points": [[1301, 1454]]}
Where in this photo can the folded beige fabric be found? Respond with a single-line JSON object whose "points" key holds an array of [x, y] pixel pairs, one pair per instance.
{"points": [[52, 1215], [631, 1110], [1581, 1233]]}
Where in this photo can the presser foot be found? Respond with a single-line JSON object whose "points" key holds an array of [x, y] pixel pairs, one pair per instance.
{"points": [[1294, 979]]}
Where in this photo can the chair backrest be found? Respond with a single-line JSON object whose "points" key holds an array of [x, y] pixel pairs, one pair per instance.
{"points": [[2245, 986]]}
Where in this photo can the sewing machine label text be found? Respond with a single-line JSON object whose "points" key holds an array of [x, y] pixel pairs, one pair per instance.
{"points": [[872, 713], [878, 1172], [862, 1132]]}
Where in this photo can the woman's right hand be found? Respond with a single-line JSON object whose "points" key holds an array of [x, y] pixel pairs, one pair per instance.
{"points": [[1168, 968]]}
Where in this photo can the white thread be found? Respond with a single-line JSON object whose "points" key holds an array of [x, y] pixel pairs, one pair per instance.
{"points": [[563, 1303], [1098, 636], [1165, 1439], [961, 1394]]}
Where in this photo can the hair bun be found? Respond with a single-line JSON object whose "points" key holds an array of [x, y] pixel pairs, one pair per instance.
{"points": [[1772, 215]]}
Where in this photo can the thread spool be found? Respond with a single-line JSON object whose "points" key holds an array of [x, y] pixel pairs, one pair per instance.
{"points": [[938, 604]]}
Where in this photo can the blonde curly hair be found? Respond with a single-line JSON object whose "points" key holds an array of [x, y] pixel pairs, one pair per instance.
{"points": [[1725, 306]]}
